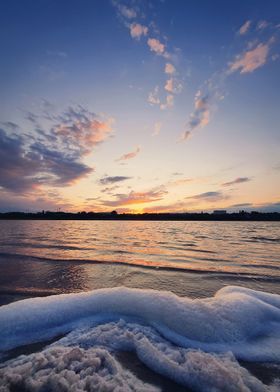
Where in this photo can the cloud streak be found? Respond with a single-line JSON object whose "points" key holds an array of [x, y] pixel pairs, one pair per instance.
{"points": [[244, 28], [201, 114], [129, 155], [113, 179], [239, 180], [250, 60], [137, 198], [209, 196]]}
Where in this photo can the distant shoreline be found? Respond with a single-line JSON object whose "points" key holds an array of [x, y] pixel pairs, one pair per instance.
{"points": [[49, 215]]}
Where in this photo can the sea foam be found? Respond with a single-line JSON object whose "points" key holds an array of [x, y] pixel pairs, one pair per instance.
{"points": [[193, 342]]}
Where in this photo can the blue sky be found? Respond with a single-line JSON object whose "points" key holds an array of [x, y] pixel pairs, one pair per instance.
{"points": [[140, 105]]}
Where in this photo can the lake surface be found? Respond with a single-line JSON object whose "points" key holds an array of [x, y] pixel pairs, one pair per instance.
{"points": [[188, 258], [215, 338]]}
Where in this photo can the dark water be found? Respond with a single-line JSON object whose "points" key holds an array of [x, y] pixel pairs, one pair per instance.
{"points": [[188, 258]]}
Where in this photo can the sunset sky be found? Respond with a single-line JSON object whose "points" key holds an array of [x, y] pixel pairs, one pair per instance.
{"points": [[157, 105]]}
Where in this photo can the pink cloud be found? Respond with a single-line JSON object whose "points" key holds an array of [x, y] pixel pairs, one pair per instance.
{"points": [[169, 68], [173, 86], [137, 198], [129, 155], [127, 12], [137, 30], [156, 46], [153, 97], [86, 132], [244, 28], [169, 102], [251, 60]]}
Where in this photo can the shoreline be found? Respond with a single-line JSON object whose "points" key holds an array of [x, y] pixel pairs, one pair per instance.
{"points": [[263, 370], [241, 216]]}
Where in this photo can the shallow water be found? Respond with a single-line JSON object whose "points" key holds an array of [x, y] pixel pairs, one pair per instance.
{"points": [[140, 340], [188, 258]]}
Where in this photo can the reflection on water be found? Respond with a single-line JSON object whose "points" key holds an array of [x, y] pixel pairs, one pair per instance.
{"points": [[80, 255]]}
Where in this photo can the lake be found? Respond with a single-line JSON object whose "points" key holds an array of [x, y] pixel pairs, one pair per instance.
{"points": [[210, 323], [188, 258]]}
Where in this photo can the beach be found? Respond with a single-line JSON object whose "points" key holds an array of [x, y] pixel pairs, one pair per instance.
{"points": [[149, 303]]}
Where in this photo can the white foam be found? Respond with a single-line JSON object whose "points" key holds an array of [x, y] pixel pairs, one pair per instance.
{"points": [[168, 333], [193, 368], [69, 369]]}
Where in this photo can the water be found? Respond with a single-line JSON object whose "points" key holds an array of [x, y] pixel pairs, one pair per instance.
{"points": [[188, 258], [145, 340]]}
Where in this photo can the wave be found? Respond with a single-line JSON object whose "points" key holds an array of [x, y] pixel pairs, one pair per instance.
{"points": [[194, 342], [174, 264], [266, 239], [261, 239]]}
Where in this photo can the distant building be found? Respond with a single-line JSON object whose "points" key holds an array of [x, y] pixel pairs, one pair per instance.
{"points": [[219, 212]]}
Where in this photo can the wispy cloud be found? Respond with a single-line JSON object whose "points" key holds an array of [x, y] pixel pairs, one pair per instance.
{"points": [[209, 196], [129, 155], [177, 174], [156, 46], [113, 179], [251, 60], [240, 205], [178, 206], [239, 180], [109, 190], [137, 198], [245, 28], [50, 156], [126, 12], [169, 103], [179, 182], [137, 30], [201, 114], [159, 48], [81, 128], [262, 24], [169, 69], [153, 97], [173, 86]]}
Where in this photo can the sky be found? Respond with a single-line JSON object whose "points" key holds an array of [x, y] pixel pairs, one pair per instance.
{"points": [[140, 106]]}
